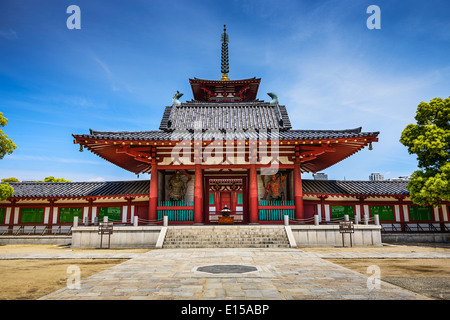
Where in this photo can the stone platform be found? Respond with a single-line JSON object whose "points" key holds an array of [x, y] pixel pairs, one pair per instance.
{"points": [[227, 236], [222, 236]]}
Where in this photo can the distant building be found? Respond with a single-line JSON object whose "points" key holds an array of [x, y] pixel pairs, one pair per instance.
{"points": [[376, 176], [402, 178], [320, 176]]}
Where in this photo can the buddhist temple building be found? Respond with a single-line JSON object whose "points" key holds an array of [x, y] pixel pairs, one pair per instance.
{"points": [[225, 148]]}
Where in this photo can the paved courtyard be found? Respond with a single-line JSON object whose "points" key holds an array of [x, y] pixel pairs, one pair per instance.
{"points": [[244, 274]]}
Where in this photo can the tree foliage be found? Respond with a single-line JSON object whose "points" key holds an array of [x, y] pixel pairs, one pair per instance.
{"points": [[7, 146], [6, 191], [53, 179], [12, 179], [429, 139]]}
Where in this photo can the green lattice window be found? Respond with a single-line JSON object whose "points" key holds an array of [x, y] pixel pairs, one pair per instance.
{"points": [[2, 215], [211, 198], [32, 215], [417, 213], [384, 213], [240, 199], [338, 212], [113, 213], [67, 214]]}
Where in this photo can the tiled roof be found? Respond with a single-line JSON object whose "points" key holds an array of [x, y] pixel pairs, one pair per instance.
{"points": [[80, 189], [349, 187], [237, 116], [219, 135], [142, 187], [126, 135], [208, 90]]}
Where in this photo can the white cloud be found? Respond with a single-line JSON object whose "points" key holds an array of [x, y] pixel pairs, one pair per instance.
{"points": [[69, 174], [52, 159], [9, 34], [116, 85], [97, 179], [350, 92]]}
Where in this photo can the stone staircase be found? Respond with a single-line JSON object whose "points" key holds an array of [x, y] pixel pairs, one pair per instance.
{"points": [[255, 236]]}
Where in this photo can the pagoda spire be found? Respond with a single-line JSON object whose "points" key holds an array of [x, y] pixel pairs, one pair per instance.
{"points": [[224, 58]]}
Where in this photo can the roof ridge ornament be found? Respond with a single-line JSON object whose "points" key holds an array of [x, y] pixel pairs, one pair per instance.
{"points": [[274, 98], [224, 64], [176, 97]]}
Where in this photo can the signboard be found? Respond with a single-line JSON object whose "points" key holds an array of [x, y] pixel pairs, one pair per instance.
{"points": [[105, 228], [346, 227]]}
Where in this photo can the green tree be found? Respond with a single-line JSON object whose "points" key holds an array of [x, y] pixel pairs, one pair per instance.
{"points": [[53, 179], [6, 191], [429, 139], [7, 146], [12, 179]]}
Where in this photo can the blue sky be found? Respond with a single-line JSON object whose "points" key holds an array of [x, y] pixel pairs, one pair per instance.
{"points": [[122, 67]]}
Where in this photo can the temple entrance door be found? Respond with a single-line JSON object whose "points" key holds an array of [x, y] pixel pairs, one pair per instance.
{"points": [[229, 191], [225, 200]]}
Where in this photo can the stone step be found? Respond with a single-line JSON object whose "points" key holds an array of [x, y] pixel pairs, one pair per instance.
{"points": [[223, 228], [206, 238], [232, 233], [226, 237], [226, 246], [228, 231], [208, 245], [226, 241]]}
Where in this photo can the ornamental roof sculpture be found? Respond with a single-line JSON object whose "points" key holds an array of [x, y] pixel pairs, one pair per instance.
{"points": [[225, 66]]}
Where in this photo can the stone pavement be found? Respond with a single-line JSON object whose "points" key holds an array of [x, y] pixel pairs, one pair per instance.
{"points": [[69, 255], [380, 255], [281, 274]]}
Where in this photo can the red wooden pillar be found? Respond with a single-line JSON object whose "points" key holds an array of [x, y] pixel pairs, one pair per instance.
{"points": [[402, 213], [129, 217], [298, 192], [441, 217], [11, 216], [153, 205], [322, 207], [198, 195], [253, 195], [50, 215], [90, 218]]}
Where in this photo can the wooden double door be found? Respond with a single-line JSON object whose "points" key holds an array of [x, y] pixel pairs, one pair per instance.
{"points": [[229, 192], [225, 200]]}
